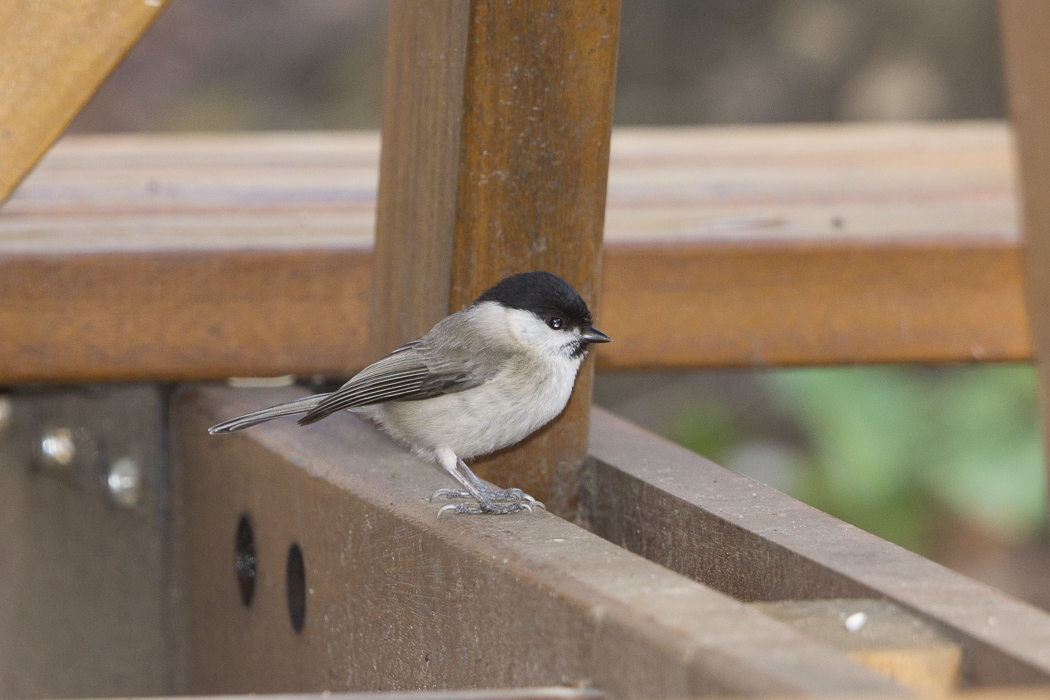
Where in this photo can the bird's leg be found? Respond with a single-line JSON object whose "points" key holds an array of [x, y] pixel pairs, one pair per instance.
{"points": [[488, 500], [504, 496], [462, 473]]}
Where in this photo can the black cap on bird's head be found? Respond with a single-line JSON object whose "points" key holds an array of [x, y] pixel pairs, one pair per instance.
{"points": [[549, 297]]}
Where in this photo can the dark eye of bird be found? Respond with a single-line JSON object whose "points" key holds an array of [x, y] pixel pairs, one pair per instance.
{"points": [[555, 323]]}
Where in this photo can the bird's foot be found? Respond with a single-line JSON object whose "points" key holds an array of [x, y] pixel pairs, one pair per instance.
{"points": [[488, 508], [450, 494], [514, 496], [504, 496]]}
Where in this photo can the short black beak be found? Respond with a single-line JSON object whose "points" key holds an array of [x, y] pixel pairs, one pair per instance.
{"points": [[593, 335]]}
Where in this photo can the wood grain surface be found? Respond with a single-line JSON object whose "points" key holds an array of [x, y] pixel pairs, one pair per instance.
{"points": [[828, 302], [53, 56], [890, 641], [494, 161], [1024, 25], [418, 170], [399, 598], [724, 247], [752, 542], [181, 316]]}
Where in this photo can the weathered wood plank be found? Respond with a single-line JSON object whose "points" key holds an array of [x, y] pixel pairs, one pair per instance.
{"points": [[739, 304], [1024, 25], [747, 539], [53, 56], [721, 251], [399, 598], [181, 316], [495, 160], [418, 171], [886, 639], [84, 585]]}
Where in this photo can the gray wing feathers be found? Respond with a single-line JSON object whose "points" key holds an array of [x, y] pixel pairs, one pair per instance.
{"points": [[410, 373], [285, 409]]}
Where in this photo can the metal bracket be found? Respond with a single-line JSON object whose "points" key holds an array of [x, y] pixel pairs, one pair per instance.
{"points": [[106, 440]]}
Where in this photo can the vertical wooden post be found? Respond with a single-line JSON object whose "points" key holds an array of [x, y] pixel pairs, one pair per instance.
{"points": [[496, 127], [1024, 25]]}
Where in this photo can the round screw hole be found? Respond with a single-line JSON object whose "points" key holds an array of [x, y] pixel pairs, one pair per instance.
{"points": [[295, 584], [244, 563]]}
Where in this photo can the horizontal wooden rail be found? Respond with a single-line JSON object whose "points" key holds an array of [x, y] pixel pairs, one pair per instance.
{"points": [[750, 541], [400, 598], [201, 257]]}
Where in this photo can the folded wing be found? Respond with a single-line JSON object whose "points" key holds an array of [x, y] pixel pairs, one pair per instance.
{"points": [[407, 374]]}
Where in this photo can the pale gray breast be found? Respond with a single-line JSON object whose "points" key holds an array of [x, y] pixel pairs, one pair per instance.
{"points": [[524, 396]]}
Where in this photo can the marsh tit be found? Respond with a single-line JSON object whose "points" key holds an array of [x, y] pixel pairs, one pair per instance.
{"points": [[482, 379]]}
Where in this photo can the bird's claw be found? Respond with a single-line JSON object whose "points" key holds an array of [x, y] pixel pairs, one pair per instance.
{"points": [[509, 496], [488, 508], [449, 494], [517, 496]]}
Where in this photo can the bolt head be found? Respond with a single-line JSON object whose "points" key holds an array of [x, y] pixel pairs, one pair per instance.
{"points": [[124, 482], [7, 411], [57, 447]]}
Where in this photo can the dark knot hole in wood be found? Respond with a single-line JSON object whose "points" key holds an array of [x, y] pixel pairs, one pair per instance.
{"points": [[295, 585], [244, 562]]}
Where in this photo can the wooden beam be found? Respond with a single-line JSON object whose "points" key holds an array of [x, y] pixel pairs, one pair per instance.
{"points": [[724, 247], [418, 171], [1024, 25], [53, 56], [86, 590], [736, 304], [399, 598], [493, 602], [880, 635], [182, 316], [495, 161], [754, 543]]}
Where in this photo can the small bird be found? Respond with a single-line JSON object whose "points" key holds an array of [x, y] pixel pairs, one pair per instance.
{"points": [[482, 379]]}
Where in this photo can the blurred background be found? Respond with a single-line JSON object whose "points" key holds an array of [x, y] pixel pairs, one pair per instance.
{"points": [[946, 461], [318, 64]]}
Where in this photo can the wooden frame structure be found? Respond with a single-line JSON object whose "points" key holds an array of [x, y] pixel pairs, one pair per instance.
{"points": [[495, 158]]}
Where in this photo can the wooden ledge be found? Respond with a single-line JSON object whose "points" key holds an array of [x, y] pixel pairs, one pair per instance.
{"points": [[462, 599], [201, 257], [750, 541], [400, 598]]}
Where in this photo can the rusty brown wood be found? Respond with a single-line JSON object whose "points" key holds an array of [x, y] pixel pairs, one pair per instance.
{"points": [[161, 257], [823, 302], [177, 316], [418, 170], [211, 314], [495, 161], [746, 539], [53, 56], [397, 598], [1024, 25]]}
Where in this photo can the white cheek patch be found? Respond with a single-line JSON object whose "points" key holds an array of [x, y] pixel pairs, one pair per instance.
{"points": [[531, 332]]}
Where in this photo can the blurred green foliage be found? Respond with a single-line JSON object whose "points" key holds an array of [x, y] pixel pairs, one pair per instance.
{"points": [[892, 449]]}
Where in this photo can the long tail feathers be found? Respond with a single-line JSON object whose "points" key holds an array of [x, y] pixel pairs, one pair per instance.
{"points": [[285, 409]]}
